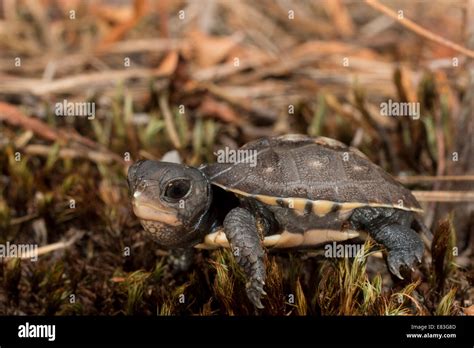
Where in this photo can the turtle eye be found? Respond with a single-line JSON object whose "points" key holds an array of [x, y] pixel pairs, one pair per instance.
{"points": [[177, 189]]}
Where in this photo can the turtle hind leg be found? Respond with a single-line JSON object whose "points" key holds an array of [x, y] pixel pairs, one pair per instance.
{"points": [[405, 248], [391, 227], [241, 230]]}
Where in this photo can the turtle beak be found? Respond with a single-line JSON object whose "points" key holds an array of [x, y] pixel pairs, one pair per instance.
{"points": [[147, 205], [146, 209]]}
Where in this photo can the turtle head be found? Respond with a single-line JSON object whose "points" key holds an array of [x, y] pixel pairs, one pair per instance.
{"points": [[171, 200]]}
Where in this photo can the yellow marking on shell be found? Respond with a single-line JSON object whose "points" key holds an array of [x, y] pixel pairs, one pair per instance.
{"points": [[352, 206], [266, 199], [320, 206], [297, 203]]}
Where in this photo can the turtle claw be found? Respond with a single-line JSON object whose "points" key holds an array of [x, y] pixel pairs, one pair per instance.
{"points": [[255, 292], [419, 254], [394, 268], [404, 245], [398, 258], [254, 297]]}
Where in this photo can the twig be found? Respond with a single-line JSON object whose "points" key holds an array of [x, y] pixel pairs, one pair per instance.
{"points": [[146, 45], [444, 196], [427, 178], [77, 234], [39, 87], [60, 245], [418, 29], [95, 156]]}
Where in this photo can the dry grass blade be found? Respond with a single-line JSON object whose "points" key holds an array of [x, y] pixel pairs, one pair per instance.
{"points": [[406, 179], [443, 252], [419, 30], [168, 116], [67, 153], [301, 304], [76, 235], [447, 305], [224, 285], [102, 79]]}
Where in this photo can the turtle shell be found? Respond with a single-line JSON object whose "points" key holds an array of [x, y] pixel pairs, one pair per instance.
{"points": [[318, 175]]}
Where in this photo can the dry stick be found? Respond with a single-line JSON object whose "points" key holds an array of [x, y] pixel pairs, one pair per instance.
{"points": [[146, 45], [85, 80], [51, 247], [169, 124], [418, 29], [40, 87], [444, 196], [67, 62], [428, 178], [70, 153]]}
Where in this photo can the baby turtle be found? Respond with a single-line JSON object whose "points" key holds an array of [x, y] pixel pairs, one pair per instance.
{"points": [[290, 191]]}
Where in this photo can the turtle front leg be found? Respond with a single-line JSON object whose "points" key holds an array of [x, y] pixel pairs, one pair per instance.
{"points": [[240, 228]]}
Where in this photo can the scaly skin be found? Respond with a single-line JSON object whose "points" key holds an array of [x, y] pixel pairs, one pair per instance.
{"points": [[404, 244], [391, 228], [241, 231]]}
